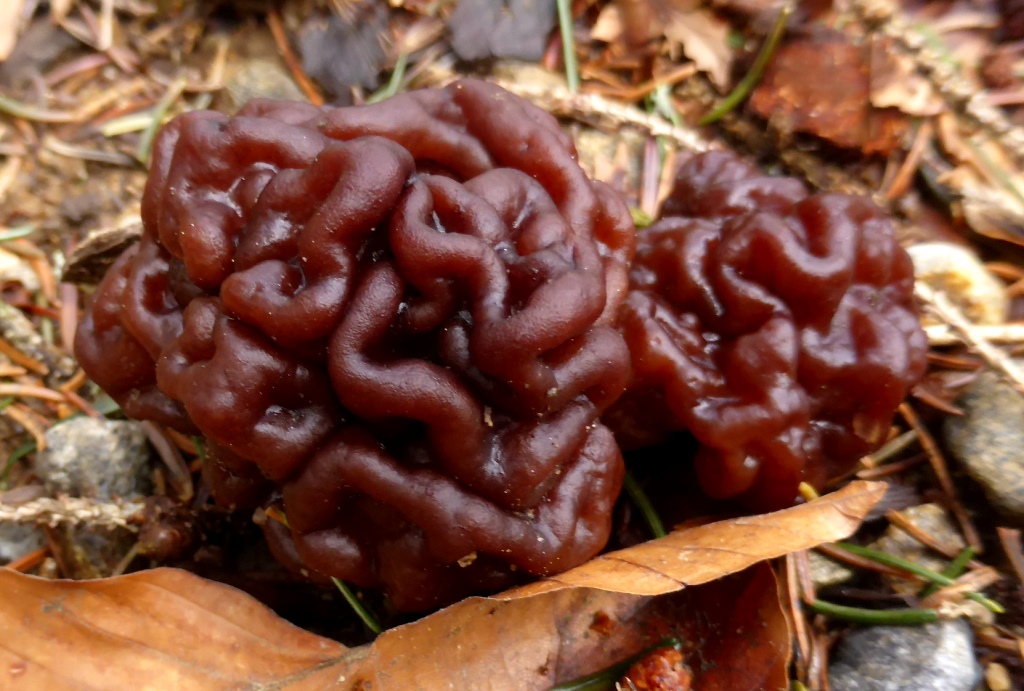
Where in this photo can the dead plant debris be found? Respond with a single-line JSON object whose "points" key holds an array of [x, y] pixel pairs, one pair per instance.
{"points": [[877, 96]]}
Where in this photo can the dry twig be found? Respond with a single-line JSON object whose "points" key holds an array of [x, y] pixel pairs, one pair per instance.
{"points": [[603, 111], [969, 333], [72, 511]]}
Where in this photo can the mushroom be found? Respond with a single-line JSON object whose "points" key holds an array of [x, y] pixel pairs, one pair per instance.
{"points": [[776, 326], [396, 320]]}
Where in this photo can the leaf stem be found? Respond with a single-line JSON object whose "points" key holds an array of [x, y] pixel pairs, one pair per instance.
{"points": [[953, 570], [16, 232], [752, 77], [395, 83], [159, 111], [918, 570], [874, 617], [572, 71], [640, 500], [357, 606]]}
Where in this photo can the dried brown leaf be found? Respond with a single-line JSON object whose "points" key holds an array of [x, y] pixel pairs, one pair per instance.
{"points": [[820, 86], [896, 83], [735, 633], [705, 40], [699, 555], [169, 629], [160, 629]]}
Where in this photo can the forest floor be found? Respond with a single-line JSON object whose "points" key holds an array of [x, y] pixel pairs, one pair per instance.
{"points": [[915, 104]]}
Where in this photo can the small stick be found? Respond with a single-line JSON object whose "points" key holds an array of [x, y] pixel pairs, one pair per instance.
{"points": [[905, 175], [77, 381], [83, 405], [72, 511], [1009, 538], [47, 281], [27, 562], [640, 500], [9, 173], [182, 441], [142, 152], [25, 420], [938, 463], [798, 616], [860, 562], [900, 521], [20, 358], [180, 475], [68, 315], [890, 449], [290, 61], [892, 468], [945, 335], [591, 107], [964, 586], [941, 471], [635, 93], [28, 391]]}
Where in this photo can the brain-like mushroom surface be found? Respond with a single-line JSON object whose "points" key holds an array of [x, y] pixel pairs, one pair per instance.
{"points": [[776, 326], [396, 320]]}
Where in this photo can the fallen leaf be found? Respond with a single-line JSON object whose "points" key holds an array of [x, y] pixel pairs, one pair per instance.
{"points": [[896, 83], [608, 25], [169, 629], [158, 629], [734, 631], [705, 40], [92, 257], [820, 86], [702, 554]]}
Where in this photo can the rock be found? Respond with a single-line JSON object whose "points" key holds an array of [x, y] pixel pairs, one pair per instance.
{"points": [[341, 52], [826, 572], [932, 519], [959, 273], [17, 540], [935, 657], [484, 29], [254, 69], [261, 78], [98, 459], [989, 441]]}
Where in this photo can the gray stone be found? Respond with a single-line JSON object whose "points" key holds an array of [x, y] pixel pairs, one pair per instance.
{"points": [[261, 78], [99, 459], [826, 572], [483, 29], [935, 657], [932, 519], [17, 540], [989, 441]]}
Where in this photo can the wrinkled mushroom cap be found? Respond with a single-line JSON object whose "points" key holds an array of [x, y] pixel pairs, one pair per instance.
{"points": [[776, 326], [396, 320]]}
